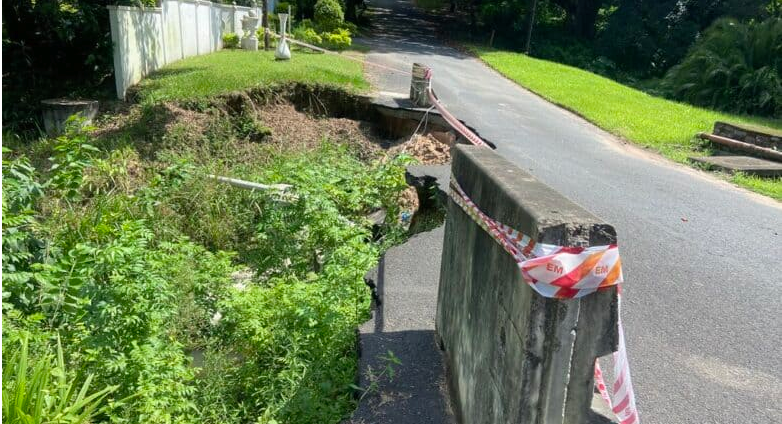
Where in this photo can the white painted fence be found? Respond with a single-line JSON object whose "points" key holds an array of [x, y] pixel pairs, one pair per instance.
{"points": [[146, 39]]}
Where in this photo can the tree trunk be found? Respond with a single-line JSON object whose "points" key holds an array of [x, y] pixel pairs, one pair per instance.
{"points": [[530, 23], [350, 10], [265, 24], [581, 15], [473, 18], [585, 18]]}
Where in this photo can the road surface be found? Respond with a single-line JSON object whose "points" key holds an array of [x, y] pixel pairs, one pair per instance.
{"points": [[702, 258]]}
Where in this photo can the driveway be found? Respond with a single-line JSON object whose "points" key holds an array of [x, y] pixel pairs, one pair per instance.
{"points": [[702, 258]]}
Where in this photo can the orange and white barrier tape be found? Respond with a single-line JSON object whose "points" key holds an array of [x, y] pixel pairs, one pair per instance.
{"points": [[622, 403], [565, 273], [553, 271]]}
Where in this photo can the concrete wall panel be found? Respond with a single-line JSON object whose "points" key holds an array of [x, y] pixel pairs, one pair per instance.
{"points": [[514, 356], [145, 39]]}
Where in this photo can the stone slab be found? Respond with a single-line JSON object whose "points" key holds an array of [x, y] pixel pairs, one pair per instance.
{"points": [[748, 164]]}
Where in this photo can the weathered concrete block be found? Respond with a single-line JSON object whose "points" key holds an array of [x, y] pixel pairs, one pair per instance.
{"points": [[514, 356], [419, 85], [57, 111]]}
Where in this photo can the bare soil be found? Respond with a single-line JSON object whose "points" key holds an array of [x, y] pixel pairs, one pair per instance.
{"points": [[298, 130]]}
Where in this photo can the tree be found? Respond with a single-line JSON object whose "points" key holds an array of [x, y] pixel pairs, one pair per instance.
{"points": [[650, 36], [530, 22], [51, 49], [581, 15]]}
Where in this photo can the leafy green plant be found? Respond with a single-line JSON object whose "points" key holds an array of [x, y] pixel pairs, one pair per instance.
{"points": [[72, 154], [375, 379], [44, 393], [129, 268], [21, 247], [308, 35], [733, 66], [230, 40], [338, 39]]}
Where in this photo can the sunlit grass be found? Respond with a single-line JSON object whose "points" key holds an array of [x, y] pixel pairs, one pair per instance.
{"points": [[663, 125], [229, 70], [771, 187]]}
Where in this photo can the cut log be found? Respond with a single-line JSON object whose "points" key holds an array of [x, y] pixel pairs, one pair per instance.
{"points": [[740, 145]]}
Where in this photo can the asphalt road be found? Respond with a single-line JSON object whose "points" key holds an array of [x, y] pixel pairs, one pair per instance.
{"points": [[702, 258]]}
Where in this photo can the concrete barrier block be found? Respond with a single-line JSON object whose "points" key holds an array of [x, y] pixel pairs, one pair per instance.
{"points": [[513, 355]]}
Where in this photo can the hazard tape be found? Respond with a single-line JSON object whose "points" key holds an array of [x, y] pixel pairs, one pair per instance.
{"points": [[562, 272], [622, 397], [552, 271]]}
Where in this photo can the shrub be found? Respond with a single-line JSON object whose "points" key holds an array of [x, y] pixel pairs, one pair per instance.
{"points": [[338, 39], [733, 66], [328, 15], [282, 7], [308, 35], [230, 40]]}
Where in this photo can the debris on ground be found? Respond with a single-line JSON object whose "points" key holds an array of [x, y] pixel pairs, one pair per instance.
{"points": [[408, 200], [427, 149]]}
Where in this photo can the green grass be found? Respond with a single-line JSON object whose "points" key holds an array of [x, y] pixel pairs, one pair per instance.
{"points": [[663, 125], [771, 187], [230, 70]]}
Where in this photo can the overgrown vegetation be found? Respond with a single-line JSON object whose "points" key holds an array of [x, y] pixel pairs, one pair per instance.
{"points": [[733, 66], [174, 297]]}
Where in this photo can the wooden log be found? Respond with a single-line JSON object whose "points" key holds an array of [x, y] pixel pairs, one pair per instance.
{"points": [[746, 147], [419, 85]]}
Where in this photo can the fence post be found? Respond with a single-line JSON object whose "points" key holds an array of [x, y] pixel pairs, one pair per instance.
{"points": [[418, 86], [265, 23]]}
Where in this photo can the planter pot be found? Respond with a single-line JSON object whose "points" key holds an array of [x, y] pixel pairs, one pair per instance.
{"points": [[57, 111]]}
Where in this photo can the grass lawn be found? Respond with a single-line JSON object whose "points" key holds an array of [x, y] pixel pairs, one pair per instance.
{"points": [[229, 70], [654, 122]]}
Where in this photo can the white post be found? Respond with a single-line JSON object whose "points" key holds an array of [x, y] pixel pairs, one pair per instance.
{"points": [[119, 69], [181, 30], [233, 18], [197, 31]]}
